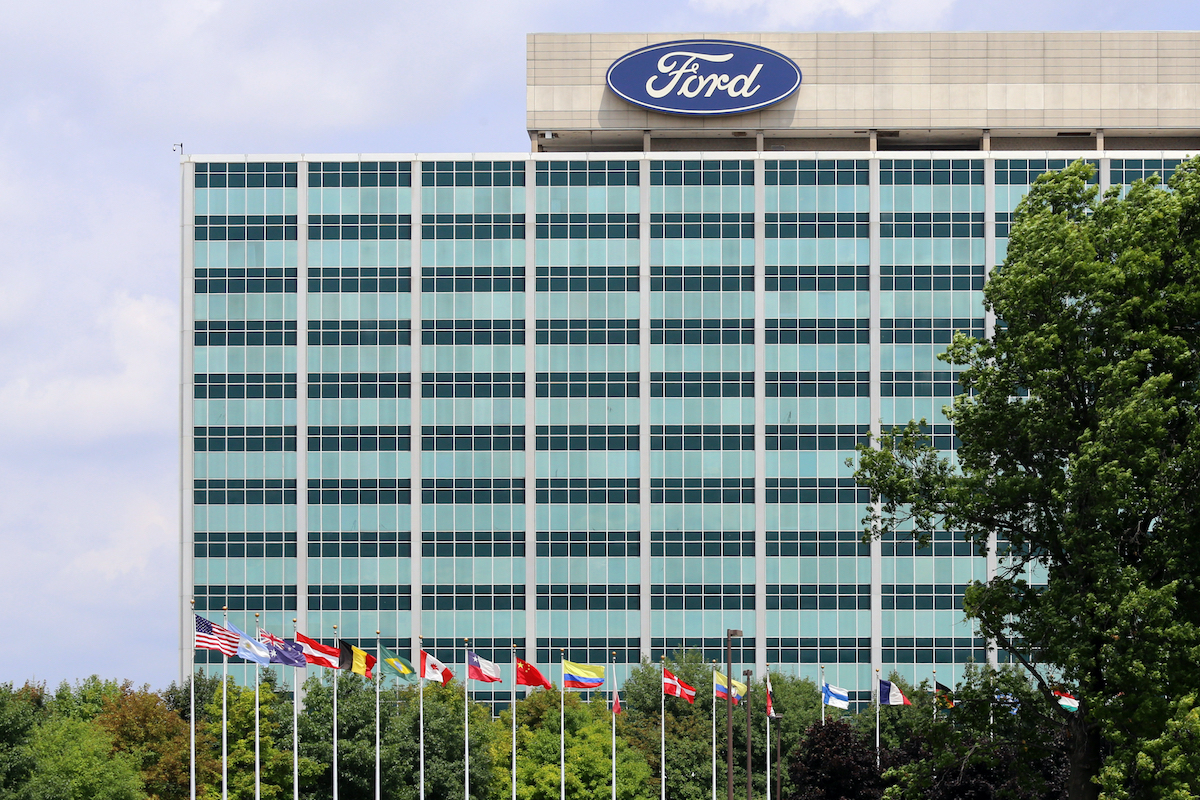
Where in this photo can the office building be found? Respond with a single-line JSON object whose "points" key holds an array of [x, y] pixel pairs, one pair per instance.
{"points": [[597, 396]]}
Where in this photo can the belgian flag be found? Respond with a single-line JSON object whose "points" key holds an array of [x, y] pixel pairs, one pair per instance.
{"points": [[355, 660]]}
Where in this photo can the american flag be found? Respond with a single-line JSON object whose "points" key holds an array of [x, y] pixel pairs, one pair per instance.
{"points": [[214, 637]]}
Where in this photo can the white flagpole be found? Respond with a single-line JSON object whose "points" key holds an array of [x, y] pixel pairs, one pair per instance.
{"points": [[714, 730], [296, 723], [421, 691], [466, 727], [822, 694], [378, 681], [335, 691], [514, 724], [612, 664], [878, 698], [257, 762], [662, 728], [192, 708], [768, 690], [224, 716], [562, 736], [935, 694]]}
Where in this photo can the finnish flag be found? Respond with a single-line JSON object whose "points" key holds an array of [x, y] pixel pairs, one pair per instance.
{"points": [[835, 696]]}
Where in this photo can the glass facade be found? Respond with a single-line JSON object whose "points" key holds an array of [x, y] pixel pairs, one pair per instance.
{"points": [[583, 404]]}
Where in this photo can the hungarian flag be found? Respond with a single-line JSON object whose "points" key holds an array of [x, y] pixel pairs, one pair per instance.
{"points": [[1067, 701], [320, 654], [528, 675], [677, 688], [360, 662], [890, 695], [771, 712], [480, 669], [435, 670]]}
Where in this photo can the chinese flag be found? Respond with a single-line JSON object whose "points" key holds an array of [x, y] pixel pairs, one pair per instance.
{"points": [[528, 675]]}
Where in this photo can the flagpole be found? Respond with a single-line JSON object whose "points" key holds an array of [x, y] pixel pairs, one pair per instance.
{"points": [[421, 692], [466, 726], [878, 698], [714, 730], [770, 710], [335, 692], [296, 722], [378, 681], [822, 694], [562, 737], [662, 728], [514, 724], [257, 762], [935, 694], [612, 663], [192, 709], [224, 715]]}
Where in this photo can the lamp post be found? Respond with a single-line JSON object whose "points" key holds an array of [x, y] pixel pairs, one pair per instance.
{"points": [[729, 634], [749, 773]]}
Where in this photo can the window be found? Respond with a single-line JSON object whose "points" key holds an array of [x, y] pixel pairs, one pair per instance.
{"points": [[248, 439], [473, 173], [248, 333], [677, 596], [271, 597], [823, 596], [820, 278], [242, 280], [816, 490], [801, 650], [590, 597], [359, 438], [473, 279], [250, 492], [269, 544], [818, 331], [462, 597], [696, 544], [587, 331], [473, 384], [472, 438], [216, 385], [702, 490], [581, 491], [359, 598], [702, 225], [590, 278], [472, 331], [702, 331], [702, 384], [702, 173], [814, 225], [356, 332], [359, 384], [473, 544], [701, 437], [472, 226], [818, 384], [587, 173], [359, 544], [587, 384], [359, 279], [468, 491], [843, 172], [582, 544], [353, 227], [217, 174], [589, 651], [587, 437], [817, 437], [816, 543], [587, 226], [355, 491], [364, 173]]}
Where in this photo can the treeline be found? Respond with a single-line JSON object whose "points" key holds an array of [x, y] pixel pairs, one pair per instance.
{"points": [[111, 741]]}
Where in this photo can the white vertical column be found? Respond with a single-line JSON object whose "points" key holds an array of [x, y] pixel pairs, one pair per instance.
{"points": [[531, 628], [644, 398], [187, 371], [302, 315], [760, 414], [415, 573], [989, 329], [876, 408]]}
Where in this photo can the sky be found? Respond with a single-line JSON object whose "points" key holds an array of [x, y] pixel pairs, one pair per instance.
{"points": [[94, 96]]}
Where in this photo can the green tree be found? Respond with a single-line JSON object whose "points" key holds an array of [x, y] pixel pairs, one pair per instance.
{"points": [[74, 760], [834, 762], [177, 696], [18, 715], [85, 700], [1080, 450]]}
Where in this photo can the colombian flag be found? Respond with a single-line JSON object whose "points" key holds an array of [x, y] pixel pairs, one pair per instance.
{"points": [[582, 676], [719, 684]]}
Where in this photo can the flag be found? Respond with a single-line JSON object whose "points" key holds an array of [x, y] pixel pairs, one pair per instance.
{"points": [[528, 675], [890, 695], [360, 662], [582, 676], [316, 653], [616, 704], [1067, 701], [480, 669], [719, 684], [835, 696], [251, 649], [771, 712], [435, 670], [282, 650], [944, 695], [677, 688], [1010, 700], [210, 636], [399, 666]]}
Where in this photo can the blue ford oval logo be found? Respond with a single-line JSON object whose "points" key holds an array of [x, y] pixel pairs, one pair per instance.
{"points": [[703, 77]]}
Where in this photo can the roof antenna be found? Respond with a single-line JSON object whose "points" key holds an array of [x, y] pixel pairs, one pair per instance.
{"points": [[180, 150]]}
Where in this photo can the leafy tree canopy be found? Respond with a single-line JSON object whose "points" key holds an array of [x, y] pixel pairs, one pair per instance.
{"points": [[1080, 451]]}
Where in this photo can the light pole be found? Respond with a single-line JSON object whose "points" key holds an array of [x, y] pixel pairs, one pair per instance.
{"points": [[729, 634], [749, 773]]}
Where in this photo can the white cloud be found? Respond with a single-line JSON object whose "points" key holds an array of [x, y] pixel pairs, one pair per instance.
{"points": [[811, 14]]}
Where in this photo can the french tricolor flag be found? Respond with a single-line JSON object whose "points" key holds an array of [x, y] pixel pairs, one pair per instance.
{"points": [[890, 695], [480, 669]]}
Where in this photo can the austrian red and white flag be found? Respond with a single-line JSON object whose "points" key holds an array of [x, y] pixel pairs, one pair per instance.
{"points": [[434, 670], [320, 654], [677, 688], [480, 669]]}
